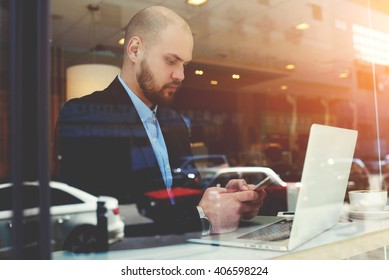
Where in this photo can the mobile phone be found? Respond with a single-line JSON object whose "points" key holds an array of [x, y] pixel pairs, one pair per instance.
{"points": [[264, 183]]}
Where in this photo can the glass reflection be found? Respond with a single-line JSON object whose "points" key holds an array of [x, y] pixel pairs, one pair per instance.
{"points": [[310, 66], [298, 63]]}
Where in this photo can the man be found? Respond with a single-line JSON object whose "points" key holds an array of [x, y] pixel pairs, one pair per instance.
{"points": [[125, 140]]}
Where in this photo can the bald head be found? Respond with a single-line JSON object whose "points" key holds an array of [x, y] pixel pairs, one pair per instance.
{"points": [[159, 43], [149, 22]]}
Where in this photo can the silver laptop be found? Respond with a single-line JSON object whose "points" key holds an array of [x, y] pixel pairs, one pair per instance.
{"points": [[319, 205]]}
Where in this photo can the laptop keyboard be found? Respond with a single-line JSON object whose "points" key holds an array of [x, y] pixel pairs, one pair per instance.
{"points": [[274, 232]]}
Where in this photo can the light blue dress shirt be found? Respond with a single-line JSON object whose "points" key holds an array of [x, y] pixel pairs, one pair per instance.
{"points": [[150, 123]]}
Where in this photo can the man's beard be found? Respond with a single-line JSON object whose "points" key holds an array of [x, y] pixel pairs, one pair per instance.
{"points": [[147, 83]]}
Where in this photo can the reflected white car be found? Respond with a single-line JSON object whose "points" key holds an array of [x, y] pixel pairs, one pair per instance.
{"points": [[202, 164], [73, 218], [277, 197], [252, 175]]}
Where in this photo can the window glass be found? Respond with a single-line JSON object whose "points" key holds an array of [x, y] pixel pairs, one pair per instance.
{"points": [[261, 73], [59, 197], [5, 199]]}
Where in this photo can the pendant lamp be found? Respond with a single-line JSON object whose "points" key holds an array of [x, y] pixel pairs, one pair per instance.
{"points": [[84, 79]]}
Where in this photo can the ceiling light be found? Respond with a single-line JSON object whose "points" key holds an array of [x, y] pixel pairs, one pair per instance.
{"points": [[121, 41], [290, 66], [343, 75], [196, 2], [199, 72], [86, 78], [302, 26], [236, 76], [213, 82]]}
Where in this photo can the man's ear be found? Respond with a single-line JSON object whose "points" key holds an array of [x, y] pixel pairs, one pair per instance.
{"points": [[133, 48]]}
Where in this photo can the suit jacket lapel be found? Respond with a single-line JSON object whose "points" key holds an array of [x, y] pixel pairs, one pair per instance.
{"points": [[138, 134]]}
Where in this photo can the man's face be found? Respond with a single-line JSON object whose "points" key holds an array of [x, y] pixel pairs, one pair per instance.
{"points": [[157, 95], [161, 70]]}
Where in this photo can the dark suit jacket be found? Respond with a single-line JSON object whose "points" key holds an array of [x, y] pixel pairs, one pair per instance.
{"points": [[104, 149]]}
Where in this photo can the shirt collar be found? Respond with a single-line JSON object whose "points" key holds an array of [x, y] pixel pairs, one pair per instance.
{"points": [[143, 110]]}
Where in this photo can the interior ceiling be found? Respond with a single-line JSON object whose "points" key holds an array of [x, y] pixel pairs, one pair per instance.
{"points": [[255, 37]]}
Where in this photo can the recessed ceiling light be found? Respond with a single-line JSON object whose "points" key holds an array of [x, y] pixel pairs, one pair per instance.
{"points": [[302, 26], [199, 72], [196, 2], [290, 66], [343, 75], [213, 82], [236, 76]]}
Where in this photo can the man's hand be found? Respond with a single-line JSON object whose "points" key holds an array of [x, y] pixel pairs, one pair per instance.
{"points": [[237, 185], [224, 207], [252, 206]]}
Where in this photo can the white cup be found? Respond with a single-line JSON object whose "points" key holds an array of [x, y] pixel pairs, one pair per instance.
{"points": [[292, 193], [368, 200]]}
